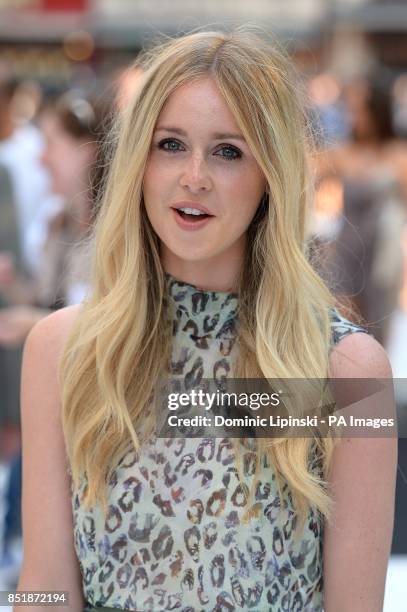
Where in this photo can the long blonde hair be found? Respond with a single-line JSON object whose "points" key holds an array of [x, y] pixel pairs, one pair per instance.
{"points": [[121, 340]]}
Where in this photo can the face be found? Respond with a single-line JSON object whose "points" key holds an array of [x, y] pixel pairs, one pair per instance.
{"points": [[200, 162], [66, 157]]}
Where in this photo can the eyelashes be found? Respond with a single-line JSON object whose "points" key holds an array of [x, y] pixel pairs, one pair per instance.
{"points": [[169, 141], [173, 146]]}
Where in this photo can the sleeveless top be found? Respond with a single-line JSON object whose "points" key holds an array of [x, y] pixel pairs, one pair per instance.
{"points": [[174, 538]]}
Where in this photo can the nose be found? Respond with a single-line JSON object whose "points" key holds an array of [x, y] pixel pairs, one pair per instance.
{"points": [[195, 175]]}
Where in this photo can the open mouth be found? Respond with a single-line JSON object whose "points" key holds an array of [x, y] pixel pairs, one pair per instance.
{"points": [[194, 217]]}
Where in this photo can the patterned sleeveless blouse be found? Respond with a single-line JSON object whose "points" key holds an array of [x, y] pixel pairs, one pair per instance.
{"points": [[174, 538]]}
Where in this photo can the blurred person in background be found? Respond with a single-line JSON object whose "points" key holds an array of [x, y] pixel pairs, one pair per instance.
{"points": [[72, 128], [21, 147], [23, 192], [375, 147], [365, 263]]}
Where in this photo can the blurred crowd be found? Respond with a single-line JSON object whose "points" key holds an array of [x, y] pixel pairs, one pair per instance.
{"points": [[361, 201], [51, 166], [52, 163]]}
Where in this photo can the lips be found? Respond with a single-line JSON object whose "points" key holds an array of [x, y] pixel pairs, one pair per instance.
{"points": [[190, 222], [199, 207]]}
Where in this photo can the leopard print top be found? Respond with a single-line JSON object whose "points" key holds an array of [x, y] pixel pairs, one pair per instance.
{"points": [[174, 537]]}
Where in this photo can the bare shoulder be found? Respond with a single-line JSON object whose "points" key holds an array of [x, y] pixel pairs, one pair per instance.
{"points": [[46, 340], [359, 355], [54, 329]]}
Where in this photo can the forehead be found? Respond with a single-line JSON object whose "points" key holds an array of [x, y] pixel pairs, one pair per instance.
{"points": [[199, 102]]}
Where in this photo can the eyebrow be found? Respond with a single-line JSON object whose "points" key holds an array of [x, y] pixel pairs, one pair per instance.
{"points": [[216, 135]]}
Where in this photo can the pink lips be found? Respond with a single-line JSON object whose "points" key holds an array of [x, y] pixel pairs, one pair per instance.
{"points": [[190, 225]]}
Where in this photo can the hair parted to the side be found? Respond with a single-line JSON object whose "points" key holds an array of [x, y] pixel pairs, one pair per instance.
{"points": [[121, 341]]}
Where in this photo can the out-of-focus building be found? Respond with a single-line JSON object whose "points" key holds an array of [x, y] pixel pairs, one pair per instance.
{"points": [[56, 40]]}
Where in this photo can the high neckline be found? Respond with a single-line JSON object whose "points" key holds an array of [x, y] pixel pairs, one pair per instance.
{"points": [[172, 280], [201, 314]]}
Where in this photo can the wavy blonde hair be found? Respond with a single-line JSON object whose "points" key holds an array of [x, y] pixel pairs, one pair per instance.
{"points": [[121, 340]]}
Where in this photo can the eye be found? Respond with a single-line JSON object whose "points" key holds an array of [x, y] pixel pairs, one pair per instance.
{"points": [[229, 153], [169, 144]]}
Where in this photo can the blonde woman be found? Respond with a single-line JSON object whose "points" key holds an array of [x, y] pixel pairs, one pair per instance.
{"points": [[201, 271]]}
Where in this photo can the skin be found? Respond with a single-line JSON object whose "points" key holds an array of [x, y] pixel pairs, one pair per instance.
{"points": [[190, 162]]}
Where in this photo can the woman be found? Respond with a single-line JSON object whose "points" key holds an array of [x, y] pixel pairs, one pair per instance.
{"points": [[374, 147], [72, 127], [366, 258], [214, 129]]}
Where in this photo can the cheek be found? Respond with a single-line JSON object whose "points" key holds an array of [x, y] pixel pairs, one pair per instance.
{"points": [[158, 183], [244, 194]]}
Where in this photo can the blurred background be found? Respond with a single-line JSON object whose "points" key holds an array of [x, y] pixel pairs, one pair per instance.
{"points": [[65, 70]]}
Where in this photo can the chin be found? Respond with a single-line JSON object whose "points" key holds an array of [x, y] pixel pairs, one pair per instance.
{"points": [[188, 258], [185, 254]]}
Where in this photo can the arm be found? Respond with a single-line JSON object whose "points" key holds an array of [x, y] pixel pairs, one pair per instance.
{"points": [[362, 478], [50, 561]]}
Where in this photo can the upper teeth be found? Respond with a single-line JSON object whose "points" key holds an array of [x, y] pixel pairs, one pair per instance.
{"points": [[192, 211]]}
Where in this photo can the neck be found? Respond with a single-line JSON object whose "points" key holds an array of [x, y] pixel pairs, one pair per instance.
{"points": [[212, 274], [217, 273]]}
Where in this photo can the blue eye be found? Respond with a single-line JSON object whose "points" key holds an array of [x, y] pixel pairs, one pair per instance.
{"points": [[172, 145], [227, 152], [231, 153]]}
